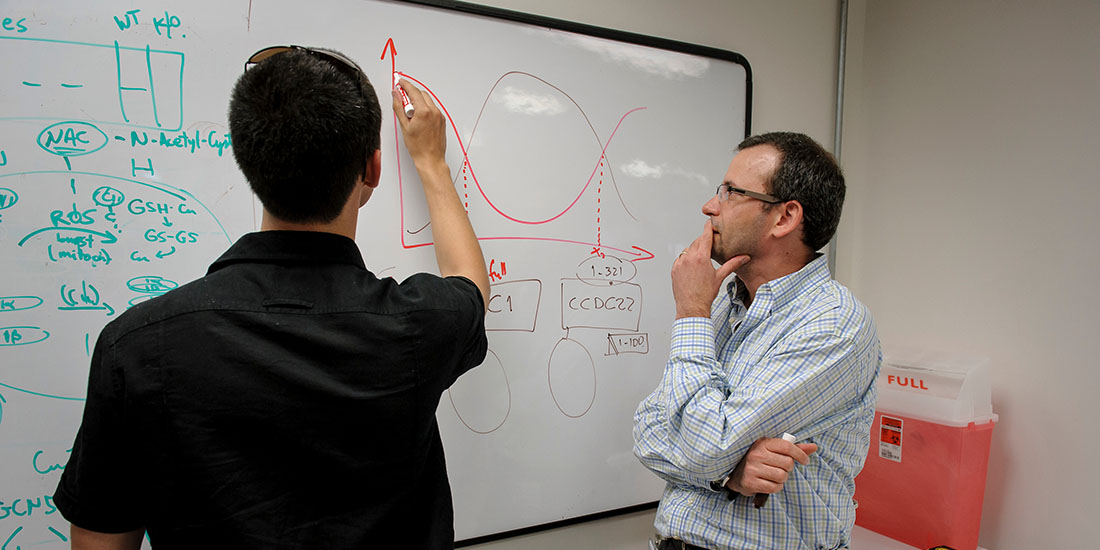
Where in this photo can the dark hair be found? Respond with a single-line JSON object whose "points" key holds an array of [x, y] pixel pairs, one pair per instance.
{"points": [[807, 173], [302, 133]]}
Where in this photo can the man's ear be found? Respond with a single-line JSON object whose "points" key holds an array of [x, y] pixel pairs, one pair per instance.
{"points": [[374, 169], [790, 219], [371, 174]]}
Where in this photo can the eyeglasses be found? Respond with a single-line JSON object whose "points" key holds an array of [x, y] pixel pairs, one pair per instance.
{"points": [[342, 64], [725, 190]]}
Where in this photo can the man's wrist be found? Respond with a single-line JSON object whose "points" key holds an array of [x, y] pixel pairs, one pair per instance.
{"points": [[722, 486], [431, 169], [683, 312], [691, 316]]}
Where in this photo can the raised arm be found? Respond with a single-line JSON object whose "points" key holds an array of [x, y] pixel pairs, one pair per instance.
{"points": [[456, 247]]}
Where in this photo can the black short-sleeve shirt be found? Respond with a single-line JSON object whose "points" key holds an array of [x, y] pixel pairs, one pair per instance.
{"points": [[285, 400]]}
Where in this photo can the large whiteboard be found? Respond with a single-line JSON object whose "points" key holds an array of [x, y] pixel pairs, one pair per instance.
{"points": [[583, 159]]}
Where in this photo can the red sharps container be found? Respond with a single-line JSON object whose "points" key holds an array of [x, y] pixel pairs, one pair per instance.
{"points": [[924, 478]]}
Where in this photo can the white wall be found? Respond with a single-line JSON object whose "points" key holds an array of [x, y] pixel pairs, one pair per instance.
{"points": [[973, 135]]}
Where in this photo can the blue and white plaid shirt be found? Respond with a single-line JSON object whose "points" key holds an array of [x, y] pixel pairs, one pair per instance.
{"points": [[802, 359]]}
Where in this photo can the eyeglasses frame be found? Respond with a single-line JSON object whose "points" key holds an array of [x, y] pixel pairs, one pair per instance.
{"points": [[733, 189]]}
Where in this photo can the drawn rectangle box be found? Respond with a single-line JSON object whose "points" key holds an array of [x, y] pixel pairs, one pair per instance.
{"points": [[634, 342], [514, 305], [616, 306]]}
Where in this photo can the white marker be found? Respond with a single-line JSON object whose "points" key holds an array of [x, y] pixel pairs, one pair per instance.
{"points": [[409, 109]]}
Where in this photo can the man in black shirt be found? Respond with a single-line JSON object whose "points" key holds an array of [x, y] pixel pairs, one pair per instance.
{"points": [[287, 399]]}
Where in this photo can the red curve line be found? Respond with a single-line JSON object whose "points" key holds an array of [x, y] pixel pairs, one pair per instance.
{"points": [[574, 102], [466, 158]]}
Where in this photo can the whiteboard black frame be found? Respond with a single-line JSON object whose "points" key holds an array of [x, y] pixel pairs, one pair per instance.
{"points": [[610, 34]]}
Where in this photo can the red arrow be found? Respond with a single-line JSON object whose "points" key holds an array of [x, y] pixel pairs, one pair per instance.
{"points": [[644, 251], [393, 54]]}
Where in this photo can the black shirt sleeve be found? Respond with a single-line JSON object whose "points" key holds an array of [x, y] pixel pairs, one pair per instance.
{"points": [[463, 334]]}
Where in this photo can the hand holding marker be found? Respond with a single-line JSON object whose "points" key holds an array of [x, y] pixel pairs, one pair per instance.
{"points": [[760, 499]]}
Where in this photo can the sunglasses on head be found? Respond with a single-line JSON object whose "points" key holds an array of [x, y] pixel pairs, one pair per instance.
{"points": [[342, 64]]}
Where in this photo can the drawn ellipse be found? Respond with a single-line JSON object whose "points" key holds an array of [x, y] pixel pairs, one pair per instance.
{"points": [[482, 397], [22, 336], [605, 271], [151, 284], [531, 123], [571, 374], [19, 303], [8, 198], [72, 139], [108, 196]]}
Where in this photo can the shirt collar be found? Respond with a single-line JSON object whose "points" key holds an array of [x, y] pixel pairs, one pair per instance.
{"points": [[737, 291], [306, 247], [786, 289]]}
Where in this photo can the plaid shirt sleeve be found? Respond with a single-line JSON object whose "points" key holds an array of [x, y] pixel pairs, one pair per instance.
{"points": [[692, 373]]}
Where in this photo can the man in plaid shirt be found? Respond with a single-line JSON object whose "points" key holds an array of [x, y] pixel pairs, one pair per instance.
{"points": [[780, 348]]}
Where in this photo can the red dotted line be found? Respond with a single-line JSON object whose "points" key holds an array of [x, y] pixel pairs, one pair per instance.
{"points": [[599, 188], [465, 187]]}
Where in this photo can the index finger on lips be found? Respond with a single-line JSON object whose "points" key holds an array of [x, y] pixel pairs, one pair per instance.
{"points": [[701, 244], [708, 232]]}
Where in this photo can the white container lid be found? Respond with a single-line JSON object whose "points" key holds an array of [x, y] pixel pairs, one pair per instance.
{"points": [[930, 386]]}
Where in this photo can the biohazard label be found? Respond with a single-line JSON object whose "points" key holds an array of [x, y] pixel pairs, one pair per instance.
{"points": [[889, 439]]}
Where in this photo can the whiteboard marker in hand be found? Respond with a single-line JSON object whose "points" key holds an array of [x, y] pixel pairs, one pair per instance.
{"points": [[760, 499], [409, 109]]}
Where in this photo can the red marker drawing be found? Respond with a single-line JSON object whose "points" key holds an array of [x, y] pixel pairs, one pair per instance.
{"points": [[409, 109]]}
